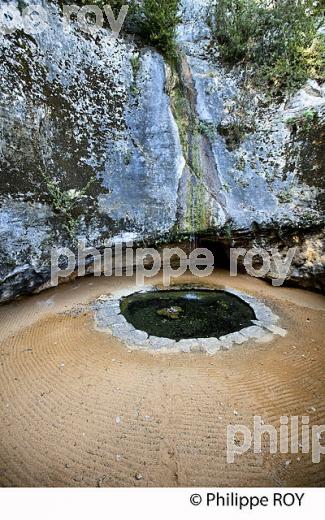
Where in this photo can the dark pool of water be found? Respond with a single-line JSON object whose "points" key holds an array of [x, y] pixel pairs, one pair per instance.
{"points": [[187, 313]]}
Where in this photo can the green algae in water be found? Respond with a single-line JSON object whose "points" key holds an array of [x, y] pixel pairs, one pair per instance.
{"points": [[184, 314]]}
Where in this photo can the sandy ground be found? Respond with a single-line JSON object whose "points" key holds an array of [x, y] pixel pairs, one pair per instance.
{"points": [[78, 409]]}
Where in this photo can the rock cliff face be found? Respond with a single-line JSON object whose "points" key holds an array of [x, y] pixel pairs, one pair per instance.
{"points": [[101, 139]]}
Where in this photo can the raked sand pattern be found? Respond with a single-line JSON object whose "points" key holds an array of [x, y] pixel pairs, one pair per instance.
{"points": [[79, 408]]}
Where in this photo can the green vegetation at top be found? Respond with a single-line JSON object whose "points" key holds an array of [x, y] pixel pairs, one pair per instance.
{"points": [[158, 20], [278, 40], [155, 21]]}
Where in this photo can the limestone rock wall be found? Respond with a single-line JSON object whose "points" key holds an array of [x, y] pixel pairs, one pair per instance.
{"points": [[101, 139]]}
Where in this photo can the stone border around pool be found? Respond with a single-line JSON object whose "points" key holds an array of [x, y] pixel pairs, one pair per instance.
{"points": [[109, 319]]}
